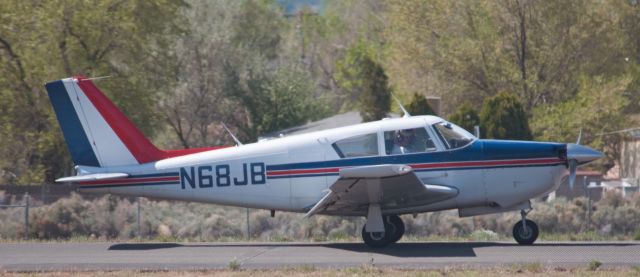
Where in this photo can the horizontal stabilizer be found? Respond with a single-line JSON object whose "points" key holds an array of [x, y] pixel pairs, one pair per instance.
{"points": [[92, 177]]}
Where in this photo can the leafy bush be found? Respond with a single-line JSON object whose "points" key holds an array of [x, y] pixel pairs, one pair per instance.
{"points": [[503, 117]]}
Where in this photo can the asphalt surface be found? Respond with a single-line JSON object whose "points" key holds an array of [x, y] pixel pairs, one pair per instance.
{"points": [[117, 256]]}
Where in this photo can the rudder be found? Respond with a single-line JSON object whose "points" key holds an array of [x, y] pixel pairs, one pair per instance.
{"points": [[90, 137], [97, 133]]}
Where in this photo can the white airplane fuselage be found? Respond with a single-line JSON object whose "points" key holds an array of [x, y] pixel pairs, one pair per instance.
{"points": [[293, 173]]}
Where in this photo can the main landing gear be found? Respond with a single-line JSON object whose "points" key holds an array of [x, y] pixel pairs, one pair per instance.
{"points": [[393, 232], [525, 231]]}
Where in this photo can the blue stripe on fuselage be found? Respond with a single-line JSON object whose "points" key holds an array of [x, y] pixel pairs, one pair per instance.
{"points": [[77, 141], [479, 150]]}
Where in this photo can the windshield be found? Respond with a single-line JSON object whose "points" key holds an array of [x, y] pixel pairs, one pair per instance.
{"points": [[452, 135]]}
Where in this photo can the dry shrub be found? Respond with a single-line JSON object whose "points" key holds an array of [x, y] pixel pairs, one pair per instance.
{"points": [[112, 217]]}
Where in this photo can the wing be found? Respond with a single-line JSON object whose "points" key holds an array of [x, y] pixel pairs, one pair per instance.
{"points": [[390, 185]]}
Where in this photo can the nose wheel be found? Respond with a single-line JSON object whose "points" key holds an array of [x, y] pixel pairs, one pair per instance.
{"points": [[393, 232], [525, 231]]}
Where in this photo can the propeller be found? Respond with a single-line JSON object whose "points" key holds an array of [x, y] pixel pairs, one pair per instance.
{"points": [[578, 155], [573, 166]]}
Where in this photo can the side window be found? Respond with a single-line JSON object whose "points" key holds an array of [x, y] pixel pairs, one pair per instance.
{"points": [[408, 141], [359, 146]]}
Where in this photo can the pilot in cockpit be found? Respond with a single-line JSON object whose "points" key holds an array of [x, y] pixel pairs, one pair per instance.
{"points": [[404, 142]]}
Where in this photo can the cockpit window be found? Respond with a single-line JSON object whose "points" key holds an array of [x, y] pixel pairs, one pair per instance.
{"points": [[453, 136], [408, 141], [358, 146]]}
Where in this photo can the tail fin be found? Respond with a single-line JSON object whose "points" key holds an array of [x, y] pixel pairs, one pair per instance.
{"points": [[97, 132]]}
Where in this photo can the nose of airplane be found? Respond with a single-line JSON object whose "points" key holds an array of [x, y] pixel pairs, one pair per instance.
{"points": [[582, 154]]}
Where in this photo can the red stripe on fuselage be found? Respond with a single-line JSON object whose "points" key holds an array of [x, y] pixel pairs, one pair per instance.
{"points": [[304, 171], [427, 166]]}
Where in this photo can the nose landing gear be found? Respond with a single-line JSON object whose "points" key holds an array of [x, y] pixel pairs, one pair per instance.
{"points": [[393, 232], [525, 232]]}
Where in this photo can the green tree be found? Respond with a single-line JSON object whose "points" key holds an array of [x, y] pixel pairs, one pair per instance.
{"points": [[466, 117], [234, 69], [349, 73], [275, 101], [365, 81], [503, 117], [375, 100], [597, 109], [43, 41], [473, 49], [419, 106], [321, 39]]}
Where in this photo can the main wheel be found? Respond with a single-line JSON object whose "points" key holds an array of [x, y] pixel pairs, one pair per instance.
{"points": [[376, 239], [525, 236], [394, 230], [398, 227]]}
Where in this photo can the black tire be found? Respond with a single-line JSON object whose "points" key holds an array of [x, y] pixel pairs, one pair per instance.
{"points": [[377, 239], [398, 227], [528, 236]]}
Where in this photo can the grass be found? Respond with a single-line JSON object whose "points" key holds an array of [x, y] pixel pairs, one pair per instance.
{"points": [[533, 269], [594, 265], [583, 236], [234, 265]]}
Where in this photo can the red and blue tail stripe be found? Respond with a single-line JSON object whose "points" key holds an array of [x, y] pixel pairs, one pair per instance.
{"points": [[97, 133]]}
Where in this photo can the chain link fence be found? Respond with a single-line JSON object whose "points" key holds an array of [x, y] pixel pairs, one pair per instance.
{"points": [[63, 214], [24, 205], [44, 196]]}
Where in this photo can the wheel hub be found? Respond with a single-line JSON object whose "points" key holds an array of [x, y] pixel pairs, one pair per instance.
{"points": [[376, 235]]}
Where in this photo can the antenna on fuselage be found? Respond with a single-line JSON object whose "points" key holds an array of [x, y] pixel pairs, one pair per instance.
{"points": [[406, 114], [579, 137], [98, 78], [238, 143]]}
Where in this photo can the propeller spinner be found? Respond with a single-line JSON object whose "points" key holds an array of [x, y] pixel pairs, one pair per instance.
{"points": [[579, 155]]}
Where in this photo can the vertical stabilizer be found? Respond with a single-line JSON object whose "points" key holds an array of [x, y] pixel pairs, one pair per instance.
{"points": [[97, 132]]}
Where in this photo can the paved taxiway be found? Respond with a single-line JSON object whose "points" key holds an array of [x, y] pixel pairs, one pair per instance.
{"points": [[115, 256]]}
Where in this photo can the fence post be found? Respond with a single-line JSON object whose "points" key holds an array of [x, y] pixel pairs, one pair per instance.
{"points": [[588, 191], [248, 234], [26, 216], [138, 216]]}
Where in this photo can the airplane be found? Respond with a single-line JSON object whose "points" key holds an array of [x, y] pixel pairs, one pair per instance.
{"points": [[378, 170]]}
